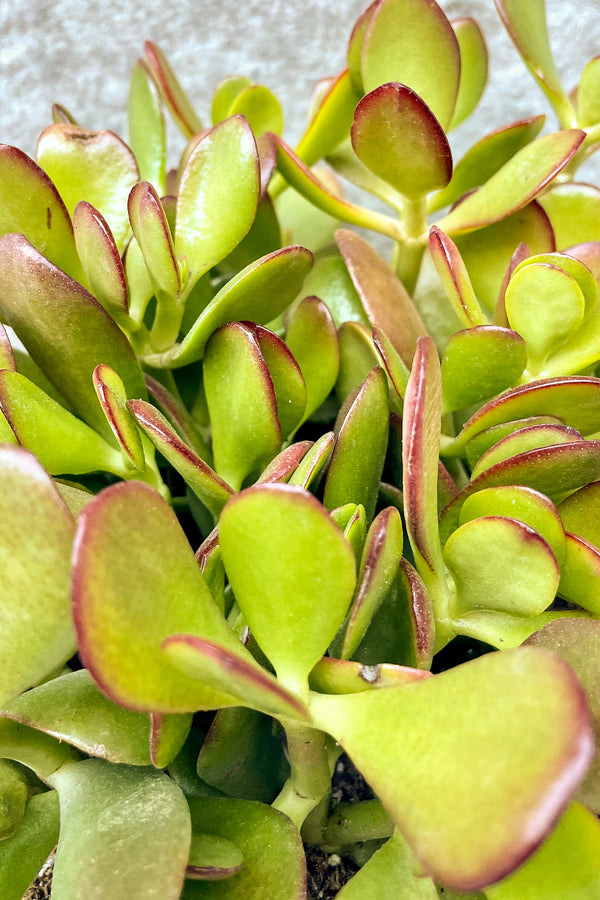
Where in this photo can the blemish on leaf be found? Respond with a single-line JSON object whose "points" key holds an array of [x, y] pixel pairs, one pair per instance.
{"points": [[48, 218], [370, 674]]}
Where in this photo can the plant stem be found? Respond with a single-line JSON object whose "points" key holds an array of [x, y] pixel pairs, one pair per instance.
{"points": [[354, 822], [408, 255], [310, 776]]}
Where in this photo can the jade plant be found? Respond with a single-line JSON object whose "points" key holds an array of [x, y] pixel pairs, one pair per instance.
{"points": [[277, 503]]}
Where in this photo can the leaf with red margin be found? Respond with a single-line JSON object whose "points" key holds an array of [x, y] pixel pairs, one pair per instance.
{"points": [[36, 535], [516, 767], [580, 513], [204, 481], [397, 137], [355, 45], [345, 676], [64, 328], [113, 400], [577, 641], [127, 601], [100, 258], [312, 338], [359, 453], [402, 40], [96, 166], [454, 276], [516, 184], [152, 232], [358, 356], [219, 668], [314, 463], [167, 736], [285, 464], [287, 377], [383, 296], [171, 91], [31, 205], [241, 399], [421, 440], [532, 437], [7, 355], [331, 122], [580, 574], [292, 573], [213, 858], [147, 127], [473, 68], [485, 157], [218, 196], [574, 210]]}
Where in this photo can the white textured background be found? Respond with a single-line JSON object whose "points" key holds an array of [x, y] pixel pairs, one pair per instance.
{"points": [[80, 53]]}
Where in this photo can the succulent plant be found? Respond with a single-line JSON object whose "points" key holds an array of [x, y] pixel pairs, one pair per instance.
{"points": [[267, 499]]}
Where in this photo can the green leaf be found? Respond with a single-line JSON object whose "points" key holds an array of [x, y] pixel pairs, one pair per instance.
{"points": [[96, 166], [588, 109], [580, 513], [260, 107], [454, 276], [473, 795], [359, 453], [285, 464], [480, 363], [331, 122], [30, 205], [126, 602], [252, 827], [478, 556], [399, 139], [205, 483], [486, 439], [62, 443], [287, 377], [314, 463], [574, 210], [42, 754], [516, 184], [312, 338], [390, 874], [566, 865], [72, 709], [14, 796], [100, 258], [66, 331], [113, 400], [147, 131], [345, 676], [260, 292], [242, 404], [212, 858], [36, 535], [383, 296], [170, 90], [522, 441], [152, 232], [292, 572], [218, 195], [580, 574], [412, 41], [225, 95], [527, 28], [355, 45], [23, 855], [358, 356], [485, 157], [147, 846], [168, 734], [473, 68]]}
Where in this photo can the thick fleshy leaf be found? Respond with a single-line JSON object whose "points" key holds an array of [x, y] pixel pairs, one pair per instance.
{"points": [[331, 122], [300, 177], [205, 483], [252, 827], [312, 338], [454, 276], [485, 157], [96, 166], [516, 184], [36, 535], [261, 109], [526, 26], [148, 847], [147, 131], [402, 39], [30, 205], [167, 737], [486, 439], [171, 91], [517, 773], [72, 709], [483, 550], [383, 296], [126, 602], [284, 465], [473, 68], [503, 630], [66, 331], [225, 671], [242, 404], [399, 139], [397, 371], [100, 258], [260, 292], [573, 210], [355, 45], [580, 574], [580, 513], [42, 754], [577, 641], [23, 855], [152, 232], [358, 356], [524, 504], [566, 865], [390, 874], [218, 195], [359, 453], [291, 571], [213, 858], [480, 363], [523, 440], [588, 110], [225, 94], [421, 430], [113, 400], [62, 443], [14, 795], [287, 378], [575, 400], [378, 569], [344, 676], [314, 463]]}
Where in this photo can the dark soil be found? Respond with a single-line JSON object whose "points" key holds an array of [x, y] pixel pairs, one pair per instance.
{"points": [[40, 889]]}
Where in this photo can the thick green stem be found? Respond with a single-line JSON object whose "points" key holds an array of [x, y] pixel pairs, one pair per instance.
{"points": [[310, 775], [408, 255], [351, 823]]}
